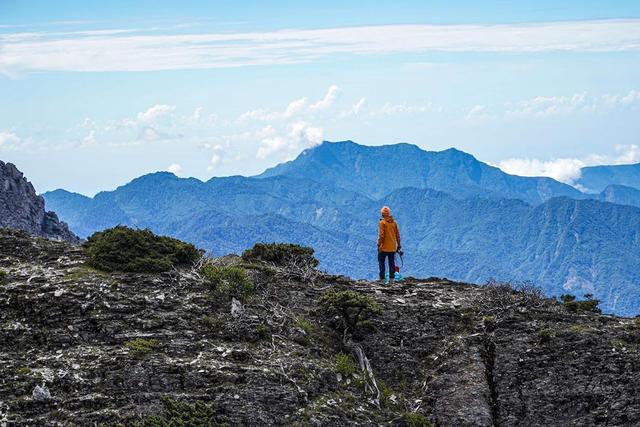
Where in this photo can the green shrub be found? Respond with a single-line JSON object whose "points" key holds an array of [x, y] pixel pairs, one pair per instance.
{"points": [[229, 281], [213, 323], [24, 370], [345, 365], [566, 298], [589, 304], [414, 419], [304, 324], [489, 320], [176, 414], [545, 335], [126, 249], [281, 254], [141, 347], [385, 391], [352, 307], [3, 277]]}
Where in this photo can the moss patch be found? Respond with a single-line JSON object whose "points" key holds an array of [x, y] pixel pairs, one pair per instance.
{"points": [[140, 347]]}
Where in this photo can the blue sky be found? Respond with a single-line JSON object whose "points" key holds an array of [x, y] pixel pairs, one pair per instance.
{"points": [[93, 94]]}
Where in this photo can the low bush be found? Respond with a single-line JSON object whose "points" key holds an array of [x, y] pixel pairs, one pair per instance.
{"points": [[141, 347], [498, 298], [229, 281], [24, 370], [176, 413], [125, 249], [587, 305], [213, 323], [352, 307], [304, 324], [3, 277], [345, 365], [281, 254], [545, 335]]}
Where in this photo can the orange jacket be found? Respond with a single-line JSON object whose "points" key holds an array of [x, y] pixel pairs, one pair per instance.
{"points": [[388, 235]]}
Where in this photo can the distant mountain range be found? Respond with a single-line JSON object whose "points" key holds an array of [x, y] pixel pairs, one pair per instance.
{"points": [[460, 218], [595, 179]]}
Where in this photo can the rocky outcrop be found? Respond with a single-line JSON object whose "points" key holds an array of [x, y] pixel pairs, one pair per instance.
{"points": [[22, 209], [456, 354]]}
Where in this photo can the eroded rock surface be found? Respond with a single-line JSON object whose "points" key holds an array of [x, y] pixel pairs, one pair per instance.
{"points": [[457, 354], [21, 208]]}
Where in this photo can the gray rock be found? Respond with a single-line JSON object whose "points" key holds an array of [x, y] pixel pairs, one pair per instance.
{"points": [[41, 393], [22, 209], [456, 354]]}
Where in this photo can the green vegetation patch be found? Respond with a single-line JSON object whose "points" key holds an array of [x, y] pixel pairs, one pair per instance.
{"points": [[229, 281], [176, 414], [414, 419], [24, 370], [581, 329], [352, 307], [545, 335], [304, 324], [345, 365], [3, 277], [281, 254], [140, 347], [125, 249], [589, 304]]}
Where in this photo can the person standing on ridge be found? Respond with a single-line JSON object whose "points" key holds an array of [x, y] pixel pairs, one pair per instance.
{"points": [[388, 243]]}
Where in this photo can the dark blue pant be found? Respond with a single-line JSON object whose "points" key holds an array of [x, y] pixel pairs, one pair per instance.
{"points": [[382, 257]]}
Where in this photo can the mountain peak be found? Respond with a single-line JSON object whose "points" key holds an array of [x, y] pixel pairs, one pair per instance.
{"points": [[375, 171], [22, 209]]}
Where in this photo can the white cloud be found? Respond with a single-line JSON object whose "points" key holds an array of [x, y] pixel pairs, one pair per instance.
{"points": [[217, 156], [551, 105], [563, 170], [568, 170], [389, 109], [355, 108], [477, 111], [542, 106], [295, 107], [627, 154], [621, 100], [90, 139], [134, 50], [151, 134], [559, 105], [175, 169], [154, 113], [195, 116], [299, 135], [9, 140], [328, 99]]}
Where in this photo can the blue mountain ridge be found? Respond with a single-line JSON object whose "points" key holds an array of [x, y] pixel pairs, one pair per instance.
{"points": [[595, 179], [460, 218]]}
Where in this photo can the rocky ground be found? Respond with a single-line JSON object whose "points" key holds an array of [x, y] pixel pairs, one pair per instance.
{"points": [[459, 355]]}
